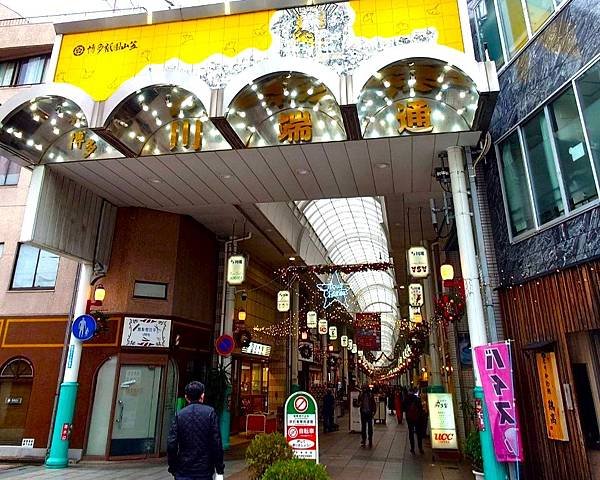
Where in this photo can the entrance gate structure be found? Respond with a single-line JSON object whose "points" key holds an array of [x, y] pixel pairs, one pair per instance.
{"points": [[211, 110]]}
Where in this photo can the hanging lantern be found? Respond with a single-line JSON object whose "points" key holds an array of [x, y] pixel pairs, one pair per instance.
{"points": [[344, 340], [311, 319], [323, 327], [283, 301], [333, 332], [355, 350], [350, 344], [447, 272]]}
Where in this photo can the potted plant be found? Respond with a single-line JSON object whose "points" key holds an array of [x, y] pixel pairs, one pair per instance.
{"points": [[264, 451], [296, 469], [474, 454]]}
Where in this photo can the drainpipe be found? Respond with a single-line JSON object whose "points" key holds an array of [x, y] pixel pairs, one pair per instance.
{"points": [[59, 448], [477, 330]]}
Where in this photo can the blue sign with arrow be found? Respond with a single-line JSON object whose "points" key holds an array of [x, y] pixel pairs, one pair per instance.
{"points": [[84, 327]]}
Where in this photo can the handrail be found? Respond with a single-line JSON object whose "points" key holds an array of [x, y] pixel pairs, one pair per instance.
{"points": [[11, 22]]}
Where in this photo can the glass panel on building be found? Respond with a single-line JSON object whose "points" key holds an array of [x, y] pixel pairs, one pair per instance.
{"points": [[515, 186], [150, 290], [571, 148], [35, 268], [539, 11], [7, 71], [31, 70], [489, 34], [588, 87], [513, 24], [542, 167], [9, 172]]}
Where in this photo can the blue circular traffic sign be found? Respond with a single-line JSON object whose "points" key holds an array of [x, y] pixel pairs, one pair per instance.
{"points": [[84, 327]]}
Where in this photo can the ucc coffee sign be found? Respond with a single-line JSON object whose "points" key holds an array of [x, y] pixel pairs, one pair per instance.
{"points": [[443, 428]]}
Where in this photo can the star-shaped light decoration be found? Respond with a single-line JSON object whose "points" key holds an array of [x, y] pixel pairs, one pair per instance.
{"points": [[334, 291]]}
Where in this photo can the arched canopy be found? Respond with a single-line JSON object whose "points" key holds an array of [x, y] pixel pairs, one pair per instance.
{"points": [[352, 231], [159, 119], [51, 128], [417, 95], [266, 110]]}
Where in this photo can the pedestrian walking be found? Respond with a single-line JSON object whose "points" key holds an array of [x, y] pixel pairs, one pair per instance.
{"points": [[328, 412], [391, 400], [366, 400], [398, 400], [194, 447], [414, 418]]}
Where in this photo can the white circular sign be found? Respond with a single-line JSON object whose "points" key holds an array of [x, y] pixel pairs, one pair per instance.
{"points": [[301, 404]]}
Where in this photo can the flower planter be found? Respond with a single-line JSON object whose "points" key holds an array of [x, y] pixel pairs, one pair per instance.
{"points": [[478, 475]]}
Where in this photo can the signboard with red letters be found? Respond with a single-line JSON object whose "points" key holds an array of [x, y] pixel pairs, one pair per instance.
{"points": [[441, 416], [301, 425]]}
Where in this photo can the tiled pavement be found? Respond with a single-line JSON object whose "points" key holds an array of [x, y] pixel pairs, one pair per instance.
{"points": [[389, 459]]}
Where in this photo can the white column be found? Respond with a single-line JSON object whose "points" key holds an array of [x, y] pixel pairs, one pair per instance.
{"points": [[466, 246], [75, 346], [435, 378]]}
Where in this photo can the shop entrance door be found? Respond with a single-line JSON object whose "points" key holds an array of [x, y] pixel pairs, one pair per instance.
{"points": [[136, 408]]}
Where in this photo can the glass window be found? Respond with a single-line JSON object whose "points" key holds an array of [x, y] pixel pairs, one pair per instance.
{"points": [[1, 248], [588, 87], [9, 172], [575, 165], [542, 167], [31, 70], [35, 268], [513, 24], [539, 11], [7, 70], [487, 25], [150, 290]]}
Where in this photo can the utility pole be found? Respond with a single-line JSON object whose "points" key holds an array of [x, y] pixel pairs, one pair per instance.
{"points": [[63, 422], [493, 469]]}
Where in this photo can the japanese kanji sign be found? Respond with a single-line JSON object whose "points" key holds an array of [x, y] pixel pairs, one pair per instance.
{"points": [[418, 263], [295, 126], [495, 368], [80, 141], [146, 332], [554, 411], [301, 425], [441, 416], [414, 117]]}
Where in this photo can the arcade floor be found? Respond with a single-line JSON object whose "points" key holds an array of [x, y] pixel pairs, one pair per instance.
{"points": [[389, 459]]}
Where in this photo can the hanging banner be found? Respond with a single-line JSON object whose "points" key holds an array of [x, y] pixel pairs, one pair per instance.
{"points": [[495, 368], [283, 301], [311, 319], [441, 416], [418, 263], [367, 331], [323, 327], [301, 425], [236, 270], [344, 341], [554, 410], [415, 295], [333, 332]]}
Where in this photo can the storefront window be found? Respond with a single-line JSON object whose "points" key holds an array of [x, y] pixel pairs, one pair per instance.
{"points": [[572, 151], [588, 87], [544, 178], [513, 24], [487, 24], [539, 11], [256, 378]]}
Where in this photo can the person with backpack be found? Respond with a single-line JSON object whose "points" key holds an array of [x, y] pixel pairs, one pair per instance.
{"points": [[367, 405], [414, 418]]}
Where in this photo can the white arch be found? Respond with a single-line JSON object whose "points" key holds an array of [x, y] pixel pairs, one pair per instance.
{"points": [[470, 67], [156, 76], [301, 65], [65, 90]]}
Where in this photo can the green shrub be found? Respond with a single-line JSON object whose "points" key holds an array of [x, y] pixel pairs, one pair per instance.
{"points": [[296, 469], [264, 451], [473, 450]]}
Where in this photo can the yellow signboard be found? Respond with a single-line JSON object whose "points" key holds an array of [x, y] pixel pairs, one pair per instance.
{"points": [[216, 49], [554, 411]]}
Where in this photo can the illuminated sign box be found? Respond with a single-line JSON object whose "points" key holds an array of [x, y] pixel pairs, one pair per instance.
{"points": [[260, 349]]}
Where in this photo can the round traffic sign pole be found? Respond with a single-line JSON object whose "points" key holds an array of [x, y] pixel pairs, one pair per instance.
{"points": [[225, 345]]}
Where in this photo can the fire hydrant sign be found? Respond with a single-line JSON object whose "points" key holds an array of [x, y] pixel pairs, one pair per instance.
{"points": [[441, 416], [301, 425]]}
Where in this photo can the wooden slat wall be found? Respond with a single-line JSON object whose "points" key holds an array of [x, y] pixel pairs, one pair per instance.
{"points": [[550, 308]]}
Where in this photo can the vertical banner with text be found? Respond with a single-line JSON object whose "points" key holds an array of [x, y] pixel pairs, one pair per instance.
{"points": [[554, 410], [495, 368]]}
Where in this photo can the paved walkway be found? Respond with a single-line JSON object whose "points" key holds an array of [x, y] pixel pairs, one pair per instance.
{"points": [[389, 459]]}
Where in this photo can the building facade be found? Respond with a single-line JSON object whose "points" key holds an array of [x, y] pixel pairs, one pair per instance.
{"points": [[542, 188]]}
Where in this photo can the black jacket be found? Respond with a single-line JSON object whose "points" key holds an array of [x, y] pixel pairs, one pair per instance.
{"points": [[194, 447]]}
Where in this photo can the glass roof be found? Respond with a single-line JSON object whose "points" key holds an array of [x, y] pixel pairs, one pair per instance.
{"points": [[352, 231]]}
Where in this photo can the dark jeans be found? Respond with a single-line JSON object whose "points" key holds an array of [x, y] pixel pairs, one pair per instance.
{"points": [[366, 421], [415, 429]]}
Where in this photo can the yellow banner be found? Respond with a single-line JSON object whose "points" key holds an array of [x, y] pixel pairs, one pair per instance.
{"points": [[216, 49], [554, 411]]}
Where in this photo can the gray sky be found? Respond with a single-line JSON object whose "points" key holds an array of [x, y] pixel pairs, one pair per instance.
{"points": [[33, 8]]}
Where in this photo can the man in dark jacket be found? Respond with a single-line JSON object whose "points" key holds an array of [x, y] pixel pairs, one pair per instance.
{"points": [[194, 448], [367, 405], [328, 412], [415, 416]]}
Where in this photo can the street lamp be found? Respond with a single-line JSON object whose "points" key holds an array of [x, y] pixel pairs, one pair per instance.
{"points": [[447, 272], [242, 315], [99, 295]]}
